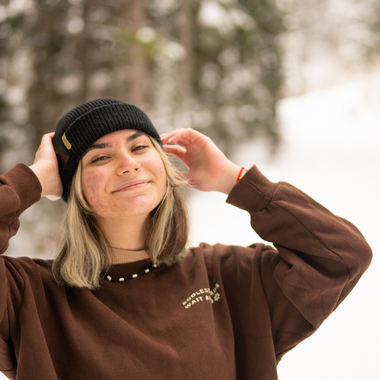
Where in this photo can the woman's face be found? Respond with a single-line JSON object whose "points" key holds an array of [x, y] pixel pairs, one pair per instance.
{"points": [[111, 184]]}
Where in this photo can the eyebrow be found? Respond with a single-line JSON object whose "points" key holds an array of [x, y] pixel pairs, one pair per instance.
{"points": [[132, 137]]}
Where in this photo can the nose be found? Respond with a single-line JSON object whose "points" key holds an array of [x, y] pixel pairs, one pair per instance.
{"points": [[128, 165]]}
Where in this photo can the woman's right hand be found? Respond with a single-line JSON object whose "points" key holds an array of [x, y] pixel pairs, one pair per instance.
{"points": [[45, 167]]}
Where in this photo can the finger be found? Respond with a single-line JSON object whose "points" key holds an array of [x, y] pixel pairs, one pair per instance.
{"points": [[181, 139], [167, 139], [183, 142], [46, 149], [46, 141], [183, 135], [47, 137], [175, 150], [166, 136]]}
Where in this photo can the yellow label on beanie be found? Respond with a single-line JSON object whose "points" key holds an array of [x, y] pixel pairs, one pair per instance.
{"points": [[66, 142]]}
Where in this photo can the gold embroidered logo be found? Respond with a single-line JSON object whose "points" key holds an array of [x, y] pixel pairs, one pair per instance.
{"points": [[66, 142], [205, 294]]}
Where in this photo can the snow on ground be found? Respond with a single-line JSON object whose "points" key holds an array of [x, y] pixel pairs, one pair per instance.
{"points": [[330, 150]]}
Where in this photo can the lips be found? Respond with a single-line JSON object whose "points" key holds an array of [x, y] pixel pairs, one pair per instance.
{"points": [[131, 185]]}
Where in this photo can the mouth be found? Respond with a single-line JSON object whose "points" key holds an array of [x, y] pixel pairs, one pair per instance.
{"points": [[133, 185]]}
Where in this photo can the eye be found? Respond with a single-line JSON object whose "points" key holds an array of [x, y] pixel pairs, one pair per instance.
{"points": [[101, 158], [139, 147]]}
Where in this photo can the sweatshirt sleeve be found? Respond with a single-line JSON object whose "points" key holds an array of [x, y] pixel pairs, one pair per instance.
{"points": [[319, 258], [19, 189]]}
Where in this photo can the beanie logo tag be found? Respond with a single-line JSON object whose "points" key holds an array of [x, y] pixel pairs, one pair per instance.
{"points": [[66, 142]]}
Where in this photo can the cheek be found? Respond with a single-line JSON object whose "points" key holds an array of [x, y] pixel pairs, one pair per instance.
{"points": [[164, 179], [92, 185], [161, 175], [155, 165]]}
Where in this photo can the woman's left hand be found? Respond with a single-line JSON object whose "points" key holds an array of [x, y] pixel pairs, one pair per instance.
{"points": [[209, 168]]}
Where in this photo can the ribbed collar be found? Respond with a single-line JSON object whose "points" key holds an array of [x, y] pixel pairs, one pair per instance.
{"points": [[120, 256]]}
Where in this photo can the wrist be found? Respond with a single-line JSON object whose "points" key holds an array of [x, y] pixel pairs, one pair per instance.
{"points": [[47, 179], [229, 178], [241, 174], [40, 174]]}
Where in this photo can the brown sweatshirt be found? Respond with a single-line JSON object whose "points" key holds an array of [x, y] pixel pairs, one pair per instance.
{"points": [[223, 313]]}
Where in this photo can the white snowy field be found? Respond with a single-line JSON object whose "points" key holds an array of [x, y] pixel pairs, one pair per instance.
{"points": [[331, 150]]}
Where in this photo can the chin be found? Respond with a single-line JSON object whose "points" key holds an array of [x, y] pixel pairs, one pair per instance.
{"points": [[127, 210]]}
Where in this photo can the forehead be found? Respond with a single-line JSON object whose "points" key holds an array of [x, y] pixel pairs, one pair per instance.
{"points": [[111, 139], [120, 135]]}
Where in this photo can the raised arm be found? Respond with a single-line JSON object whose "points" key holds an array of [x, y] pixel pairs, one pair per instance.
{"points": [[21, 187], [319, 257], [209, 168], [45, 167]]}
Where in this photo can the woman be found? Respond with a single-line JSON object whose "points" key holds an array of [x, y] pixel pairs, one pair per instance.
{"points": [[124, 298]]}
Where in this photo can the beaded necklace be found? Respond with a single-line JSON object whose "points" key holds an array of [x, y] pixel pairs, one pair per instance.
{"points": [[129, 277]]}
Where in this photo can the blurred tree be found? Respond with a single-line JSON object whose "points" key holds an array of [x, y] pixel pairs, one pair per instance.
{"points": [[9, 92], [228, 77], [328, 41], [221, 60], [374, 27], [4, 139], [213, 65], [238, 71]]}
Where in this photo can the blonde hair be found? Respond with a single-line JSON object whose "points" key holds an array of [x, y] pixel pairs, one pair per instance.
{"points": [[83, 249]]}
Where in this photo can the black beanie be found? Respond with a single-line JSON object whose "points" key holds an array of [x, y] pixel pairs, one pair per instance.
{"points": [[78, 129]]}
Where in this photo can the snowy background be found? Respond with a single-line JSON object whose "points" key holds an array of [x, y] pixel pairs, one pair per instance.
{"points": [[330, 150]]}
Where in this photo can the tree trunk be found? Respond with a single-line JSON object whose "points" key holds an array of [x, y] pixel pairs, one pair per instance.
{"points": [[138, 15], [82, 54], [185, 38]]}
